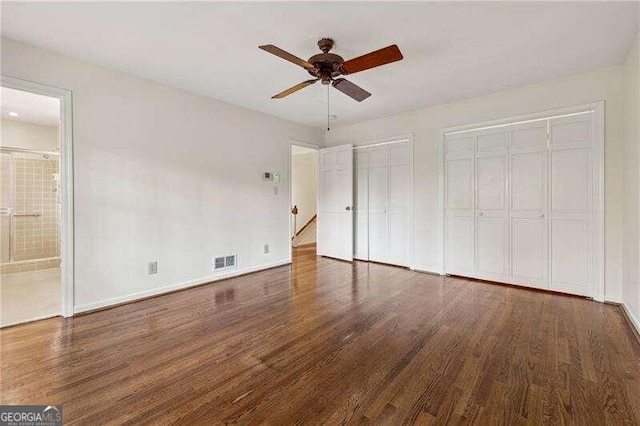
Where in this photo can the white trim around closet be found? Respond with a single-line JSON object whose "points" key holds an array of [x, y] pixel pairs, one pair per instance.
{"points": [[598, 113]]}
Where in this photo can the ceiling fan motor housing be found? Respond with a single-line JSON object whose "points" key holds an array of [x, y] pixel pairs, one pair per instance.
{"points": [[327, 65]]}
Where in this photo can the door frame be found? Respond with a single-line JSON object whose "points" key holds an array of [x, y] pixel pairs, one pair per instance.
{"points": [[66, 174], [598, 109], [290, 177], [412, 226]]}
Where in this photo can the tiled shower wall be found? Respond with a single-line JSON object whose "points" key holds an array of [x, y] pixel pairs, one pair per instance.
{"points": [[35, 192]]}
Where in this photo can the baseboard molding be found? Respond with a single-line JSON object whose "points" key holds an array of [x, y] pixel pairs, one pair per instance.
{"points": [[632, 319], [43, 317], [174, 287]]}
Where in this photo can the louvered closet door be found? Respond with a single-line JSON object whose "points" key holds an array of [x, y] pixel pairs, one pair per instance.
{"points": [[492, 233], [529, 249], [571, 204], [361, 204], [459, 204], [378, 196]]}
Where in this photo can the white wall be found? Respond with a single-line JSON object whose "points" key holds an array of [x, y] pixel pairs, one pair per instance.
{"points": [[631, 278], [425, 124], [304, 184], [163, 174], [19, 134]]}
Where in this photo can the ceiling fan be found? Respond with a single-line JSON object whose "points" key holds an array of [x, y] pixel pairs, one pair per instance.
{"points": [[328, 67]]}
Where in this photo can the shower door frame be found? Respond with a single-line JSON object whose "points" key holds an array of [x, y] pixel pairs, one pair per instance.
{"points": [[66, 181]]}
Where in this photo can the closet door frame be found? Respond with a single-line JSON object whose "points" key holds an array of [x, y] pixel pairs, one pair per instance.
{"points": [[387, 141], [598, 109]]}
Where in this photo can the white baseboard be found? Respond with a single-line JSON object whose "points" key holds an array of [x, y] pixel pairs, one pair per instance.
{"points": [[173, 287], [10, 324], [634, 319]]}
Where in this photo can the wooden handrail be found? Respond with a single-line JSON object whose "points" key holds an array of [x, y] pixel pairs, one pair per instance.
{"points": [[306, 225]]}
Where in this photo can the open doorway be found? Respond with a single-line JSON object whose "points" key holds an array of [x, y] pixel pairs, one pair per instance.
{"points": [[33, 206], [304, 196]]}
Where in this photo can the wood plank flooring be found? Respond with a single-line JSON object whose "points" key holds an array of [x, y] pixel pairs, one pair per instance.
{"points": [[324, 341]]}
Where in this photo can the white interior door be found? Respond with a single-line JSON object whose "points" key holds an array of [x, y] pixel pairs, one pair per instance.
{"points": [[529, 248], [335, 202]]}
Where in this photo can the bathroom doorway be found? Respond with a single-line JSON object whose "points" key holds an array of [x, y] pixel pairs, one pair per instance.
{"points": [[33, 207]]}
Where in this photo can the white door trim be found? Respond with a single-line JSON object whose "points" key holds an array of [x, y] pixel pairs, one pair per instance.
{"points": [[66, 173], [289, 171], [598, 109], [391, 140]]}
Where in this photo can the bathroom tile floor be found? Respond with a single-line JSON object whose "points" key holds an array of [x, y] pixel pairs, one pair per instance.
{"points": [[28, 296]]}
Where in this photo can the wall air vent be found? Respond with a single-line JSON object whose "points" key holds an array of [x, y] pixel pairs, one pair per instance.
{"points": [[224, 262], [218, 263]]}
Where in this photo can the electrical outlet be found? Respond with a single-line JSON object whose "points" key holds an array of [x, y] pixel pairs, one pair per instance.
{"points": [[152, 267], [266, 248]]}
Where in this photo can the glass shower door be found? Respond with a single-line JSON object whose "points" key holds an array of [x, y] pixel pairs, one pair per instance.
{"points": [[5, 207]]}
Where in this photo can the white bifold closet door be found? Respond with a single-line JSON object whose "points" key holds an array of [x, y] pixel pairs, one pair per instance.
{"points": [[383, 203], [529, 247], [571, 177], [361, 204], [335, 202], [519, 204]]}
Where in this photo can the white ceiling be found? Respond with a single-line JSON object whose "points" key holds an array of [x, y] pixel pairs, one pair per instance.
{"points": [[31, 108], [452, 50]]}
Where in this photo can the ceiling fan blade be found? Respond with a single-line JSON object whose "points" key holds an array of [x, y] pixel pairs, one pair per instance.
{"points": [[293, 89], [348, 88], [286, 56], [371, 60]]}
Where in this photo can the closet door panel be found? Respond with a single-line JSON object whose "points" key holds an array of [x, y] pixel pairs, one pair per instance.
{"points": [[528, 177], [460, 204], [491, 245], [399, 204], [460, 184], [491, 177], [378, 241], [378, 198], [571, 204], [570, 256], [528, 217], [361, 205], [399, 238], [492, 241], [570, 173], [528, 242], [460, 245], [529, 235]]}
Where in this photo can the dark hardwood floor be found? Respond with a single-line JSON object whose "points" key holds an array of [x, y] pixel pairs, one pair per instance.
{"points": [[325, 341]]}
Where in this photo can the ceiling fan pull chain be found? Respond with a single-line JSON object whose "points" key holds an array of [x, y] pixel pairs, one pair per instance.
{"points": [[328, 85]]}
